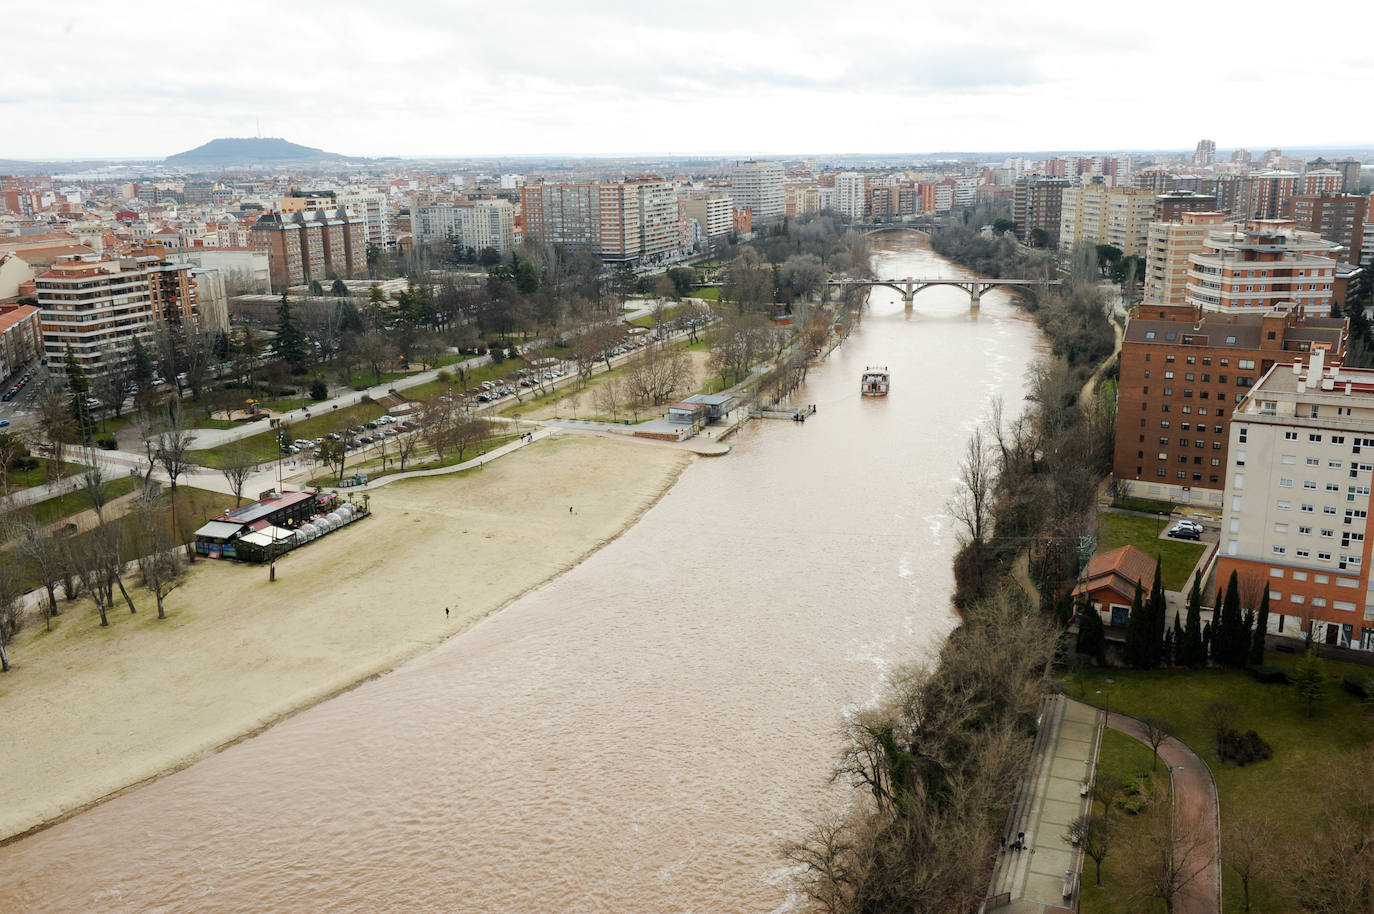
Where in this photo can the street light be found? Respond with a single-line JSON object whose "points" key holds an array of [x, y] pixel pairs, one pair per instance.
{"points": [[1107, 700]]}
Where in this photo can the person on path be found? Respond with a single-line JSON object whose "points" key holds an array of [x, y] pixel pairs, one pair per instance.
{"points": [[445, 612]]}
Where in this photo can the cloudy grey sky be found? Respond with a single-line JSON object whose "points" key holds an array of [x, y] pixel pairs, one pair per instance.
{"points": [[89, 78]]}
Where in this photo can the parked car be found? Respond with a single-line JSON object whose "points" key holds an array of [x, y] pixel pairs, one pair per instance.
{"points": [[1184, 533], [1188, 525]]}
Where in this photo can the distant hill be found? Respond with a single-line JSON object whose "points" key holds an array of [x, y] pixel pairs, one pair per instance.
{"points": [[227, 151]]}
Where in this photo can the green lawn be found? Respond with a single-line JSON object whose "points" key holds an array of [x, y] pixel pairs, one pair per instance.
{"points": [[1121, 757], [27, 479], [1282, 787], [1177, 557], [51, 509], [423, 460], [710, 293]]}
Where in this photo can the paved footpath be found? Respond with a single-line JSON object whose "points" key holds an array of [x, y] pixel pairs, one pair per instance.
{"points": [[1051, 795], [1195, 801]]}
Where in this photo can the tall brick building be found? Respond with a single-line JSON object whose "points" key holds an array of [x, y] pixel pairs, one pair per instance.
{"points": [[317, 245], [1183, 370], [1339, 218]]}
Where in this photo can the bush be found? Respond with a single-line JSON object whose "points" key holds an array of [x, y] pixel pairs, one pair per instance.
{"points": [[106, 441], [1243, 749], [318, 389], [1359, 686], [1273, 675], [25, 463]]}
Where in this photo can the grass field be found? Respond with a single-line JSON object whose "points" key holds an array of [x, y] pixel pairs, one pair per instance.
{"points": [[1120, 757], [52, 509], [39, 474], [1177, 557], [1282, 787]]}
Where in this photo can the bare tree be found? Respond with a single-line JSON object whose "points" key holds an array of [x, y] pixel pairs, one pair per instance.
{"points": [[1156, 733], [1094, 835], [656, 375], [237, 466], [1171, 847], [406, 445], [972, 506], [11, 449], [92, 482], [375, 350], [43, 555], [438, 422], [469, 432], [11, 607], [609, 398], [1248, 848], [1333, 873], [174, 455], [159, 560]]}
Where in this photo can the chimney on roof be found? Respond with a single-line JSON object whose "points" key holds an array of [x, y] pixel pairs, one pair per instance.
{"points": [[1317, 363]]}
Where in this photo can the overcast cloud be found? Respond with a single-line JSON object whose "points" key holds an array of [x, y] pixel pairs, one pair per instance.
{"points": [[423, 77]]}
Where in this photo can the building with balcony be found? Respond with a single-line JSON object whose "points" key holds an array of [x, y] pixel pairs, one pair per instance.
{"points": [[21, 339], [713, 211], [97, 307], [1168, 246], [1297, 499], [1169, 207], [1266, 265], [1183, 372]]}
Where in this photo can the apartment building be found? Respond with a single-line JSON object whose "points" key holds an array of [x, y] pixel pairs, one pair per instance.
{"points": [[1168, 246], [714, 212], [478, 224], [851, 193], [1269, 194], [97, 306], [374, 209], [1297, 499], [1037, 203], [1338, 218], [802, 198], [623, 221], [1321, 181], [757, 186], [21, 338], [1265, 265], [311, 245], [1096, 214], [1169, 207], [1183, 371]]}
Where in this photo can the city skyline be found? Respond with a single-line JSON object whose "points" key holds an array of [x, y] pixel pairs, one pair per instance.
{"points": [[601, 80]]}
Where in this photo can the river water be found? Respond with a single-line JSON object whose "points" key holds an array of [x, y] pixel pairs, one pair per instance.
{"points": [[638, 735]]}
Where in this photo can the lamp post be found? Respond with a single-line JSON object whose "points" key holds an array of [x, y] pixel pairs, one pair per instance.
{"points": [[1106, 699]]}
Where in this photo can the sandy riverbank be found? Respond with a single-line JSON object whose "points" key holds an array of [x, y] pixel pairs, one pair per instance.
{"points": [[90, 711]]}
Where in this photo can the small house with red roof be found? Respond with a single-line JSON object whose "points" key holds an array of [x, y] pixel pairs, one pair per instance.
{"points": [[1110, 580]]}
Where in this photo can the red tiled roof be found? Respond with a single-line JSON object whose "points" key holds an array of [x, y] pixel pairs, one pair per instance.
{"points": [[12, 316], [1120, 570]]}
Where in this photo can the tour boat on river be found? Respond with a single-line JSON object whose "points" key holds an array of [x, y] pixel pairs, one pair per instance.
{"points": [[874, 383]]}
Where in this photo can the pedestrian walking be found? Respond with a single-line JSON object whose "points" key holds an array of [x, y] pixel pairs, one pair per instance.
{"points": [[445, 612]]}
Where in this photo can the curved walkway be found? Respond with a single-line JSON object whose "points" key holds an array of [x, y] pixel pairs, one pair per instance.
{"points": [[1195, 799]]}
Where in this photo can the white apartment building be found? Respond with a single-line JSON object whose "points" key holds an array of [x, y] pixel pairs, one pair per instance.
{"points": [[851, 193], [660, 228], [1297, 499], [715, 212], [373, 207], [1255, 269], [477, 225], [966, 190], [758, 186]]}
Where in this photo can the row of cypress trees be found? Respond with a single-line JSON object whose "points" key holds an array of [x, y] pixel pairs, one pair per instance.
{"points": [[1232, 639]]}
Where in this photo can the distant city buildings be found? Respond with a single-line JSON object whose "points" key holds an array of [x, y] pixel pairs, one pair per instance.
{"points": [[475, 225], [1265, 265], [638, 220], [1096, 213], [1037, 206]]}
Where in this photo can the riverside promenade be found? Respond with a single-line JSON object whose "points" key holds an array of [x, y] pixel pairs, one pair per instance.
{"points": [[1043, 877]]}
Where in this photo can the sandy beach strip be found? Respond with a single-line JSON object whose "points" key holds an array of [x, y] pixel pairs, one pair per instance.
{"points": [[91, 711]]}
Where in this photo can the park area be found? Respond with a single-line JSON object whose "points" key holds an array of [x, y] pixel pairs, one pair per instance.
{"points": [[1288, 800]]}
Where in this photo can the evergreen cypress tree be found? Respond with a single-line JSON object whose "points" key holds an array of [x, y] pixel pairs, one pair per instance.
{"points": [[79, 389], [1261, 627], [290, 341], [1138, 630], [1196, 654], [1092, 638], [1166, 648], [1227, 624], [1158, 624]]}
